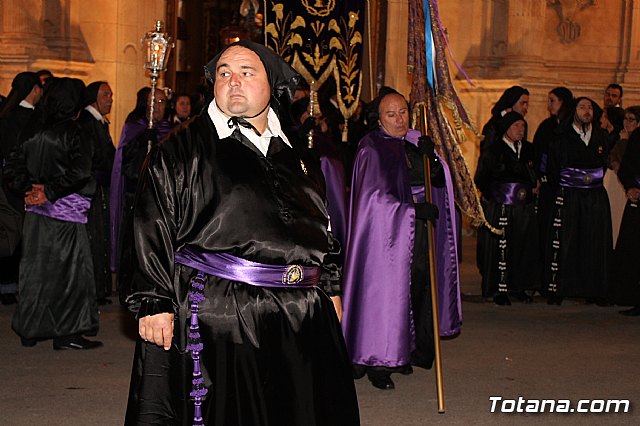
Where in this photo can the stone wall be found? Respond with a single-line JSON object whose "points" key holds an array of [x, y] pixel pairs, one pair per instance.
{"points": [[533, 43], [90, 40]]}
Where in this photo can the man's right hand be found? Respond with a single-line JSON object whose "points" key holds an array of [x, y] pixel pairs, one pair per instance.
{"points": [[157, 329]]}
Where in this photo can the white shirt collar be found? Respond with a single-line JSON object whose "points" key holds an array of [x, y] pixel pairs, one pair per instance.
{"points": [[585, 136], [25, 104], [512, 145], [96, 114], [261, 142]]}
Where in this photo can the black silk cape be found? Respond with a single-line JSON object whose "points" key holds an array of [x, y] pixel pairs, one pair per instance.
{"points": [[500, 164], [272, 356]]}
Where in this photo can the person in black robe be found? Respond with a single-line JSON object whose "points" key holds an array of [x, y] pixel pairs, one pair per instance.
{"points": [[98, 99], [225, 194], [625, 278], [515, 98], [509, 263], [52, 167], [560, 109], [580, 242], [10, 226], [15, 114]]}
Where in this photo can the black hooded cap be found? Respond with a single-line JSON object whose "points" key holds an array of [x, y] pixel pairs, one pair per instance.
{"points": [[62, 99], [91, 93], [282, 78], [507, 121], [508, 99], [23, 83], [372, 113]]}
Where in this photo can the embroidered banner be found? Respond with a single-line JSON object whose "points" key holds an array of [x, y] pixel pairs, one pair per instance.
{"points": [[321, 39]]}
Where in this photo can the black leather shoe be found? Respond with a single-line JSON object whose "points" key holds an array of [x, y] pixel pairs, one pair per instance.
{"points": [[406, 370], [554, 299], [381, 380], [75, 342], [28, 343], [632, 312], [522, 296], [501, 299], [358, 371]]}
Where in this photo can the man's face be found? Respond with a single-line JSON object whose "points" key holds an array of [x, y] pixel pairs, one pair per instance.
{"points": [[183, 107], [515, 132], [584, 112], [104, 99], [159, 106], [241, 87], [612, 97], [394, 115], [522, 106]]}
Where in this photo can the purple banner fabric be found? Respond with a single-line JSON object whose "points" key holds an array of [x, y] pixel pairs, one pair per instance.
{"points": [[379, 252], [333, 172], [72, 208], [224, 265], [130, 131], [581, 178], [512, 193]]}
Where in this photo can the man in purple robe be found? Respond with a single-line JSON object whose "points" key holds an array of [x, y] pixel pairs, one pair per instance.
{"points": [[135, 141], [387, 319]]}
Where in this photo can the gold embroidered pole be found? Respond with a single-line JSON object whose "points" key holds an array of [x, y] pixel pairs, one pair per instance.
{"points": [[433, 279]]}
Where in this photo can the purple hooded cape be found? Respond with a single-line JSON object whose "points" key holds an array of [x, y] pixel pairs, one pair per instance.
{"points": [[377, 320], [130, 131]]}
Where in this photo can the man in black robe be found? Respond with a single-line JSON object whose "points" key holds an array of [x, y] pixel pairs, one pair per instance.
{"points": [[509, 263], [580, 248], [233, 267], [92, 120]]}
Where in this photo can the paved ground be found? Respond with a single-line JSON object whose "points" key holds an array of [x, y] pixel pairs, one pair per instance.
{"points": [[536, 351]]}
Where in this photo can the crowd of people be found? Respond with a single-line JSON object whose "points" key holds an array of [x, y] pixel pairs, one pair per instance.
{"points": [[562, 209], [266, 252]]}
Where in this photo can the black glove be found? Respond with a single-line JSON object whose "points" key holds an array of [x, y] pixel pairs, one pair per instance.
{"points": [[427, 211], [426, 147]]}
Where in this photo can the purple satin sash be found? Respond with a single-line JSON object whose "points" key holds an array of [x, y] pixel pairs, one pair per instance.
{"points": [[581, 178], [511, 193], [72, 208], [227, 266]]}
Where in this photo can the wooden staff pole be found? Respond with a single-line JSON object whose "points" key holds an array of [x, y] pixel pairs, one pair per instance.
{"points": [[432, 271]]}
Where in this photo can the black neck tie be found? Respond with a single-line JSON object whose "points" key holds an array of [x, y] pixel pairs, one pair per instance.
{"points": [[240, 121]]}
